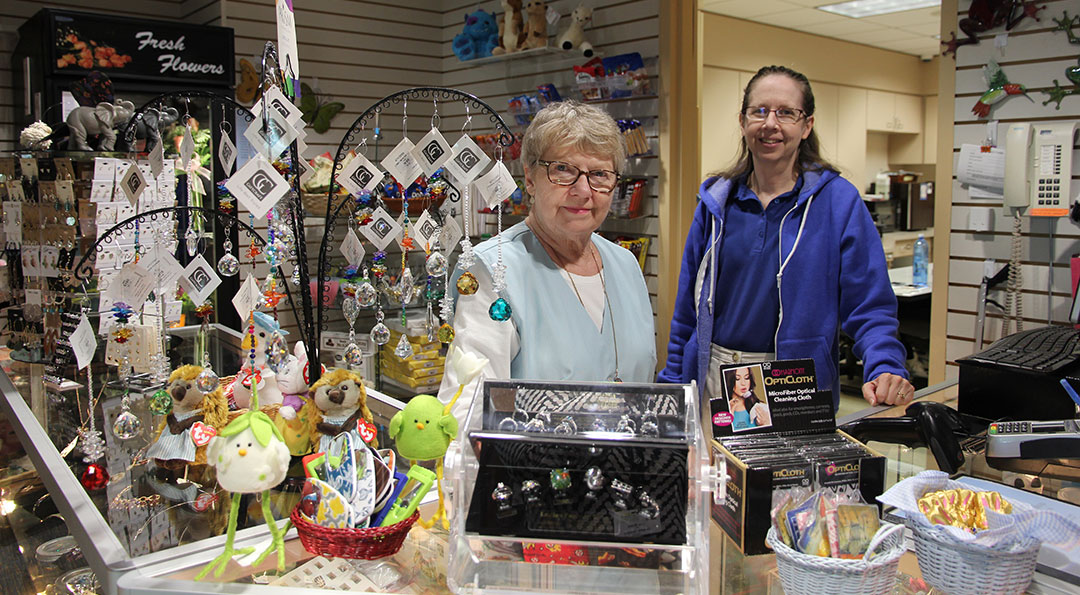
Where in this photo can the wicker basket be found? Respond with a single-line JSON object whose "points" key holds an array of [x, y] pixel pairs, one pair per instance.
{"points": [[355, 544], [315, 203], [961, 568], [816, 575]]}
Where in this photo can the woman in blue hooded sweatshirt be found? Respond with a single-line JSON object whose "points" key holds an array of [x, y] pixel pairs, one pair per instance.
{"points": [[781, 255]]}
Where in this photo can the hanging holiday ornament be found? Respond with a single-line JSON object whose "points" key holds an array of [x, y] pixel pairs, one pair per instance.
{"points": [[160, 403], [436, 264], [500, 310], [467, 284], [404, 348], [380, 335], [95, 477]]}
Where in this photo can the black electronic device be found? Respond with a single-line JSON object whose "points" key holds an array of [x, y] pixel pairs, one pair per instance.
{"points": [[933, 425], [1018, 377]]}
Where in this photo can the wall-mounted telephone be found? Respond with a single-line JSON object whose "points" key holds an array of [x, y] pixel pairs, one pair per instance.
{"points": [[1038, 167]]}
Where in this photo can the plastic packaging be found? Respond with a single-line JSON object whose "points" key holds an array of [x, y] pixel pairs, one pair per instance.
{"points": [[920, 262]]}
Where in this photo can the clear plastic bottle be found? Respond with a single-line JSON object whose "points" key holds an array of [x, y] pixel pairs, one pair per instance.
{"points": [[920, 262]]}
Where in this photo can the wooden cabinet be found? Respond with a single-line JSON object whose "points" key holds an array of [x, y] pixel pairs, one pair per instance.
{"points": [[851, 138], [893, 112], [930, 129]]}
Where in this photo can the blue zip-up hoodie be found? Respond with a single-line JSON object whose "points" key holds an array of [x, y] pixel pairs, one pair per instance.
{"points": [[832, 275]]}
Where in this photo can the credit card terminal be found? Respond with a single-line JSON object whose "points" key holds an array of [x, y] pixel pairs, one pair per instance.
{"points": [[1033, 439]]}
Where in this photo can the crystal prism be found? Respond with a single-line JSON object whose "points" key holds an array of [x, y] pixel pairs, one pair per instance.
{"points": [[351, 308], [500, 310], [191, 240], [126, 426], [228, 265], [380, 335], [467, 284], [436, 264], [446, 333], [277, 353], [405, 286], [160, 403], [353, 356], [366, 294], [94, 478], [404, 349], [207, 381]]}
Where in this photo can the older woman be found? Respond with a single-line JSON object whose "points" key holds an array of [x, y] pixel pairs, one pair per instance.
{"points": [[580, 307], [780, 255]]}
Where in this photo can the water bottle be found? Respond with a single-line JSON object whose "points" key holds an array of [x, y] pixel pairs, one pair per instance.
{"points": [[920, 262]]}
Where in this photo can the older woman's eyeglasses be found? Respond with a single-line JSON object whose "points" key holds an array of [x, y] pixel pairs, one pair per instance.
{"points": [[564, 174], [787, 115]]}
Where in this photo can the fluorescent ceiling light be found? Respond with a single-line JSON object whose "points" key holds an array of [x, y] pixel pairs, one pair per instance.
{"points": [[858, 9]]}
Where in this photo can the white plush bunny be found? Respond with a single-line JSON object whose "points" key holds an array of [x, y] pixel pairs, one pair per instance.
{"points": [[269, 394]]}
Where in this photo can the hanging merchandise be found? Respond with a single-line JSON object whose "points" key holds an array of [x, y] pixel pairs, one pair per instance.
{"points": [[998, 88], [986, 15], [1057, 93]]}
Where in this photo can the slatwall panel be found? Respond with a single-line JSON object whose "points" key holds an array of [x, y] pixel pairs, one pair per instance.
{"points": [[618, 27], [1034, 57], [201, 12], [15, 12]]}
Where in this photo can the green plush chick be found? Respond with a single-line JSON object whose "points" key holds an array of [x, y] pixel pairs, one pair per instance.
{"points": [[422, 431]]}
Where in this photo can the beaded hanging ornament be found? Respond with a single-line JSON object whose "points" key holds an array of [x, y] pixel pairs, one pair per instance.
{"points": [[499, 310]]}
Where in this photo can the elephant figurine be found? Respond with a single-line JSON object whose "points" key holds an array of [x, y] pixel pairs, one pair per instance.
{"points": [[85, 121], [148, 125]]}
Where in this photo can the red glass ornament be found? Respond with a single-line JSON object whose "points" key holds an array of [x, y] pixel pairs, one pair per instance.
{"points": [[95, 477]]}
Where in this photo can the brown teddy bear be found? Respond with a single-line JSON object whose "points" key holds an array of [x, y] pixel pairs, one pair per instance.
{"points": [[535, 32], [510, 27], [175, 445], [338, 400]]}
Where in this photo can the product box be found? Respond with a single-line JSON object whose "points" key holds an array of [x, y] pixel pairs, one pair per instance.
{"points": [[790, 441]]}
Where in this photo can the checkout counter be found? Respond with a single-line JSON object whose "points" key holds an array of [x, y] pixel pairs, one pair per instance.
{"points": [[138, 541]]}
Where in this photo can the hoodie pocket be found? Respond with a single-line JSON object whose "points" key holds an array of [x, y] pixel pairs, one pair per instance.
{"points": [[816, 348]]}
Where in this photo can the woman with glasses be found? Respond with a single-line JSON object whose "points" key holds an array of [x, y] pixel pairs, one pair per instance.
{"points": [[580, 306], [781, 255]]}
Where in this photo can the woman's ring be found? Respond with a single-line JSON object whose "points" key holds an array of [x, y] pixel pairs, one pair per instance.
{"points": [[900, 394]]}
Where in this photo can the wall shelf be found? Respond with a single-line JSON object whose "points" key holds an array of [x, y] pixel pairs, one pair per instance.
{"points": [[546, 50]]}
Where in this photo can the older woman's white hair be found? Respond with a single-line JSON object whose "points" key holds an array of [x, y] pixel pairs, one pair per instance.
{"points": [[573, 124]]}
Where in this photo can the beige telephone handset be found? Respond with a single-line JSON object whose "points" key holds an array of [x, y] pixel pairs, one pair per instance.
{"points": [[1038, 167]]}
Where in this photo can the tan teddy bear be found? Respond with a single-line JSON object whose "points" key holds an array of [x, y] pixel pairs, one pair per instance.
{"points": [[536, 25]]}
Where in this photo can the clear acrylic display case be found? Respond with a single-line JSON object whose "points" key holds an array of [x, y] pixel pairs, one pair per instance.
{"points": [[580, 487]]}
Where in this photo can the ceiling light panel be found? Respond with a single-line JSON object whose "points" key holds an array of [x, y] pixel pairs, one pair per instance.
{"points": [[858, 9]]}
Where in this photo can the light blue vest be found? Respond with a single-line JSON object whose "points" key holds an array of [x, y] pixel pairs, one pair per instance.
{"points": [[558, 340]]}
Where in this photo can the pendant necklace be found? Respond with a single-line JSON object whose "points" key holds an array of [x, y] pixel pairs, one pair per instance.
{"points": [[607, 302]]}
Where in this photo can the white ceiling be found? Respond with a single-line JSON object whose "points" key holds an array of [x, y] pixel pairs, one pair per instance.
{"points": [[910, 32]]}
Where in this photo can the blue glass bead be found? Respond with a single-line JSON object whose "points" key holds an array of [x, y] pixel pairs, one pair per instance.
{"points": [[500, 310]]}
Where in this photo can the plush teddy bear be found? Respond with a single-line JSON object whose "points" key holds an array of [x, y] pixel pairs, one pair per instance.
{"points": [[535, 32], [175, 445], [480, 36], [574, 37], [510, 26], [337, 401]]}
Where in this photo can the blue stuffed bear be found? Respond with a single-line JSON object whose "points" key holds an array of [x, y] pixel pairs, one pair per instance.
{"points": [[479, 37]]}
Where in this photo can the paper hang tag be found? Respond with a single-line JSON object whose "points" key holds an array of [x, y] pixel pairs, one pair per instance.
{"points": [[65, 192], [104, 169], [496, 186], [226, 153], [166, 269], [28, 167], [432, 152], [202, 433], [425, 230], [64, 169], [382, 229], [187, 147], [552, 16], [274, 99], [277, 137], [133, 285], [83, 342], [33, 297], [204, 502], [247, 297], [366, 429], [133, 183], [199, 280], [15, 191], [257, 186], [306, 171], [50, 256], [359, 175], [101, 191], [400, 163], [352, 249], [449, 235], [467, 160], [173, 311], [157, 159]]}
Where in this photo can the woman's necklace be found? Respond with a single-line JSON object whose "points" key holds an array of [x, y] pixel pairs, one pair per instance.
{"points": [[607, 302]]}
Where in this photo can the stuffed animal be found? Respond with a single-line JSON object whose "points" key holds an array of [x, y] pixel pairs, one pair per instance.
{"points": [[175, 445], [269, 394], [291, 418], [535, 31], [480, 36], [510, 27], [260, 342], [338, 401], [422, 431], [574, 37], [250, 457]]}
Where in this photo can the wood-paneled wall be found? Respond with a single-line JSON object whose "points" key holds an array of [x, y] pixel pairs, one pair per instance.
{"points": [[1034, 56]]}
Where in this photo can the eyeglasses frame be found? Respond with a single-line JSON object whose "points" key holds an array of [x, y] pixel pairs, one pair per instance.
{"points": [[581, 172]]}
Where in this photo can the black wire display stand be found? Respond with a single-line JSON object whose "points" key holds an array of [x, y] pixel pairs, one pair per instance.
{"points": [[85, 267], [437, 94]]}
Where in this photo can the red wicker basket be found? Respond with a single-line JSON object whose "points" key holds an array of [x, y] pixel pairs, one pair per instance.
{"points": [[355, 544]]}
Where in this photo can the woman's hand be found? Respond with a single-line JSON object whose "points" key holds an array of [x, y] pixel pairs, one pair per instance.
{"points": [[888, 389]]}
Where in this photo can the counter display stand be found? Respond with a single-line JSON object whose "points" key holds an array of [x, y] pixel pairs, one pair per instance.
{"points": [[601, 488]]}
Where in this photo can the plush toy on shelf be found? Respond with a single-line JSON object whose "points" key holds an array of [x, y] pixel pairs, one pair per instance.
{"points": [[574, 37], [195, 417], [510, 27], [337, 402], [422, 431], [535, 31], [480, 36]]}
